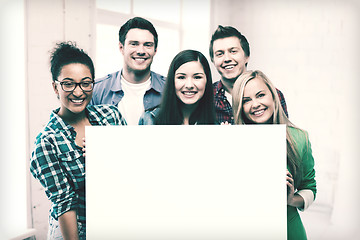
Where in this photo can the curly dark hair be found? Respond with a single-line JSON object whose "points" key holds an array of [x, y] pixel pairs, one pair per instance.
{"points": [[66, 53]]}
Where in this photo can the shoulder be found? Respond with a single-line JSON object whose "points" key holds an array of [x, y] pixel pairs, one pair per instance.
{"points": [[300, 137], [158, 79], [148, 117], [105, 112], [157, 82], [216, 84], [53, 126], [158, 76], [103, 109], [298, 133], [107, 79], [281, 95], [49, 137]]}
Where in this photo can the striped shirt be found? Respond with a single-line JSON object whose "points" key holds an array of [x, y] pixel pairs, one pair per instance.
{"points": [[58, 162]]}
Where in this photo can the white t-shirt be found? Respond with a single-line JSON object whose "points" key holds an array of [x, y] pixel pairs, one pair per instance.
{"points": [[229, 97], [131, 105]]}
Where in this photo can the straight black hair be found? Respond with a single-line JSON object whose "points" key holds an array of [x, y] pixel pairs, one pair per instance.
{"points": [[170, 111]]}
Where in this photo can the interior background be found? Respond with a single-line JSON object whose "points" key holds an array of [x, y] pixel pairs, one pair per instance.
{"points": [[309, 49]]}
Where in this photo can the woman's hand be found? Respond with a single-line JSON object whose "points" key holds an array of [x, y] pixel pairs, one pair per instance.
{"points": [[293, 199], [290, 187]]}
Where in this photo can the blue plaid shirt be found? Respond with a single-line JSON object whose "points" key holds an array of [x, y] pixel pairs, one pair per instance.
{"points": [[223, 109], [58, 163]]}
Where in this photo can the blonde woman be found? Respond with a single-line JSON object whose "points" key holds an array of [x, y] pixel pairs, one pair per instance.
{"points": [[255, 101]]}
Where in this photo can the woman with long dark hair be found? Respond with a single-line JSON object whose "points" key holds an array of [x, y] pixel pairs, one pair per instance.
{"points": [[188, 94]]}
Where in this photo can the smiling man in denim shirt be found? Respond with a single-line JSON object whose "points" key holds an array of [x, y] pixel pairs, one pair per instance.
{"points": [[135, 88]]}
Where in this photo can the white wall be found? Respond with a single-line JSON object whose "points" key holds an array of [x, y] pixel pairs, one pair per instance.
{"points": [[13, 167], [309, 49]]}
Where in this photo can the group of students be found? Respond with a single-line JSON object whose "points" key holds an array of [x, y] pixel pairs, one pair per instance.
{"points": [[136, 95]]}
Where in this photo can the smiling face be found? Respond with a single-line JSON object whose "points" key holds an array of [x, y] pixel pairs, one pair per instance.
{"points": [[258, 103], [190, 82], [138, 50], [229, 58], [73, 102]]}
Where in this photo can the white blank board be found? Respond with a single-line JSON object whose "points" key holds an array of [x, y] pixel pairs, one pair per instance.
{"points": [[186, 182]]}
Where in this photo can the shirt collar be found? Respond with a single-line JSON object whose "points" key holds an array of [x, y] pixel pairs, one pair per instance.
{"points": [[154, 79], [155, 82], [116, 86], [62, 125], [219, 88], [59, 123]]}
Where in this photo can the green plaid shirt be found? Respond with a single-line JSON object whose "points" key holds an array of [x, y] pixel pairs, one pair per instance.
{"points": [[58, 163]]}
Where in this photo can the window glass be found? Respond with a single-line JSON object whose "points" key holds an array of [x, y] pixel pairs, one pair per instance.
{"points": [[163, 10], [121, 6], [168, 47], [108, 56], [196, 25]]}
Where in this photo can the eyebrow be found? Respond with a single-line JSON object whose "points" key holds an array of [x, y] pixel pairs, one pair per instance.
{"points": [[180, 73], [135, 41], [255, 94], [260, 92], [71, 79]]}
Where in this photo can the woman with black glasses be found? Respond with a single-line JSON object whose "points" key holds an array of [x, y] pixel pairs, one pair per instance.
{"points": [[57, 160]]}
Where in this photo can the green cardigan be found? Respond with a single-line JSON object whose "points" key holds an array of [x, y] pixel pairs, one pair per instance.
{"points": [[295, 228]]}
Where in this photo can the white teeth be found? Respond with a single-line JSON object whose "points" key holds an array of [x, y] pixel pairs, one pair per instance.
{"points": [[77, 100], [189, 93], [258, 112], [140, 60], [229, 67]]}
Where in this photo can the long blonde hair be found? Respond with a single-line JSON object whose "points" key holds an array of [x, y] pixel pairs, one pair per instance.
{"points": [[279, 116]]}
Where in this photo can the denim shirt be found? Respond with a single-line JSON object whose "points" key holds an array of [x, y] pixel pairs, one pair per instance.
{"points": [[108, 90], [148, 117]]}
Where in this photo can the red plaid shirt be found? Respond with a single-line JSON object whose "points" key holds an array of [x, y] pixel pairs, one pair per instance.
{"points": [[223, 109]]}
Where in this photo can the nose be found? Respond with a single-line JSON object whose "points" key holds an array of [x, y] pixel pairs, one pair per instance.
{"points": [[77, 91], [140, 50], [227, 57], [189, 83], [255, 104]]}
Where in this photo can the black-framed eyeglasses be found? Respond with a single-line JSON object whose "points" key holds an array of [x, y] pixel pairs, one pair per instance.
{"points": [[67, 86]]}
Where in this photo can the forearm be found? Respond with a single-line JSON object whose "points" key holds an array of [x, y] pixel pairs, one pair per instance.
{"points": [[296, 201], [68, 225]]}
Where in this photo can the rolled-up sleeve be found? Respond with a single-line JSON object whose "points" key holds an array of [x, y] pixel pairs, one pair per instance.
{"points": [[45, 166], [307, 187]]}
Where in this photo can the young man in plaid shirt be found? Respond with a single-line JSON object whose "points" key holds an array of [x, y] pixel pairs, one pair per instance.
{"points": [[230, 52]]}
